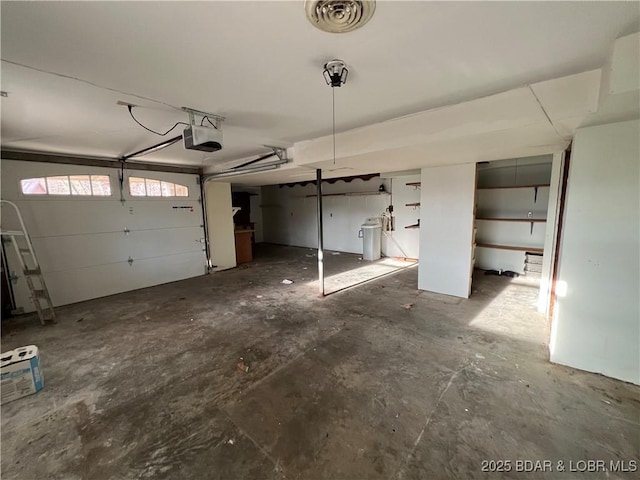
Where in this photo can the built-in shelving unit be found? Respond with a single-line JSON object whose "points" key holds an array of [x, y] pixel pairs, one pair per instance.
{"points": [[539, 185], [512, 204]]}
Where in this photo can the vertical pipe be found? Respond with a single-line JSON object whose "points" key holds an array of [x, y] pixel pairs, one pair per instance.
{"points": [[205, 226], [320, 245]]}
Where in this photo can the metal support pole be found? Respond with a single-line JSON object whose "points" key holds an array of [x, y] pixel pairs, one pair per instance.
{"points": [[320, 245]]}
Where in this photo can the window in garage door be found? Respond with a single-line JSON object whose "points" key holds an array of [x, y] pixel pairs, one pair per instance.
{"points": [[86, 185], [149, 187]]}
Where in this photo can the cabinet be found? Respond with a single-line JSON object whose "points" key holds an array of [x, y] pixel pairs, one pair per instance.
{"points": [[244, 251]]}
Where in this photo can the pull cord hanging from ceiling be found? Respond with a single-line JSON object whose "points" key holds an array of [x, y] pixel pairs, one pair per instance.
{"points": [[335, 74], [333, 95]]}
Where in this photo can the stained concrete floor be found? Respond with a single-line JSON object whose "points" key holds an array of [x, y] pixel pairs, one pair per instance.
{"points": [[380, 381]]}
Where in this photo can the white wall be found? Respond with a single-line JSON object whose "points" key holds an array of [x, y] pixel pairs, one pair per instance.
{"points": [[289, 213], [596, 324], [81, 242], [222, 242], [446, 229]]}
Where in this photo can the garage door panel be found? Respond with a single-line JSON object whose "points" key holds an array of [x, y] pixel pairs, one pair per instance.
{"points": [[80, 251], [61, 217], [143, 215], [73, 286], [84, 243], [69, 252], [155, 243]]}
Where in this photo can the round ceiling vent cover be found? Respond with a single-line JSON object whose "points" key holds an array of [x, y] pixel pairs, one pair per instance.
{"points": [[339, 16]]}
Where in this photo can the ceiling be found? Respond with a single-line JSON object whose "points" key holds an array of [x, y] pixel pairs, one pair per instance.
{"points": [[259, 64]]}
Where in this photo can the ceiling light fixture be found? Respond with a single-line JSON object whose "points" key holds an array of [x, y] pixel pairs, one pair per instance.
{"points": [[335, 74], [339, 16]]}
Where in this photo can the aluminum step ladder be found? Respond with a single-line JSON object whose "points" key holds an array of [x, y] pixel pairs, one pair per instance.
{"points": [[30, 267]]}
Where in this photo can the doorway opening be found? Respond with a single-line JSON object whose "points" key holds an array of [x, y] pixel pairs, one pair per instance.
{"points": [[512, 211]]}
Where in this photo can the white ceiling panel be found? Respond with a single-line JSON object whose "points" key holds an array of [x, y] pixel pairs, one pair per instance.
{"points": [[66, 64]]}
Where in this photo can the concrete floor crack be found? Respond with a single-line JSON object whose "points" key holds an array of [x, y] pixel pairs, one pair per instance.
{"points": [[400, 473], [276, 462]]}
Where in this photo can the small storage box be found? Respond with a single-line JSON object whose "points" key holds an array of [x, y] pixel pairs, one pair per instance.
{"points": [[21, 374]]}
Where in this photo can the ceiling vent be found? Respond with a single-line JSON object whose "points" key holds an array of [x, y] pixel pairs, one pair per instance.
{"points": [[339, 16]]}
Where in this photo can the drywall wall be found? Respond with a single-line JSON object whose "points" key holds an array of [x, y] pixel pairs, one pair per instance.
{"points": [[446, 229], [596, 324], [624, 71], [93, 246], [290, 218], [222, 243]]}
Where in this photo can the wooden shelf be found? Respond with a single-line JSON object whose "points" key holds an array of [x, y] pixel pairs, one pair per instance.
{"points": [[413, 184], [511, 247], [412, 204], [525, 220], [514, 186], [417, 225]]}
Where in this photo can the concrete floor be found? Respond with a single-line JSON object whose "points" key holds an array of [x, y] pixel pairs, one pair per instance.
{"points": [[378, 381]]}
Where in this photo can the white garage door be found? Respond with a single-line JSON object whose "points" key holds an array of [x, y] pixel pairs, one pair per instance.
{"points": [[91, 246]]}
